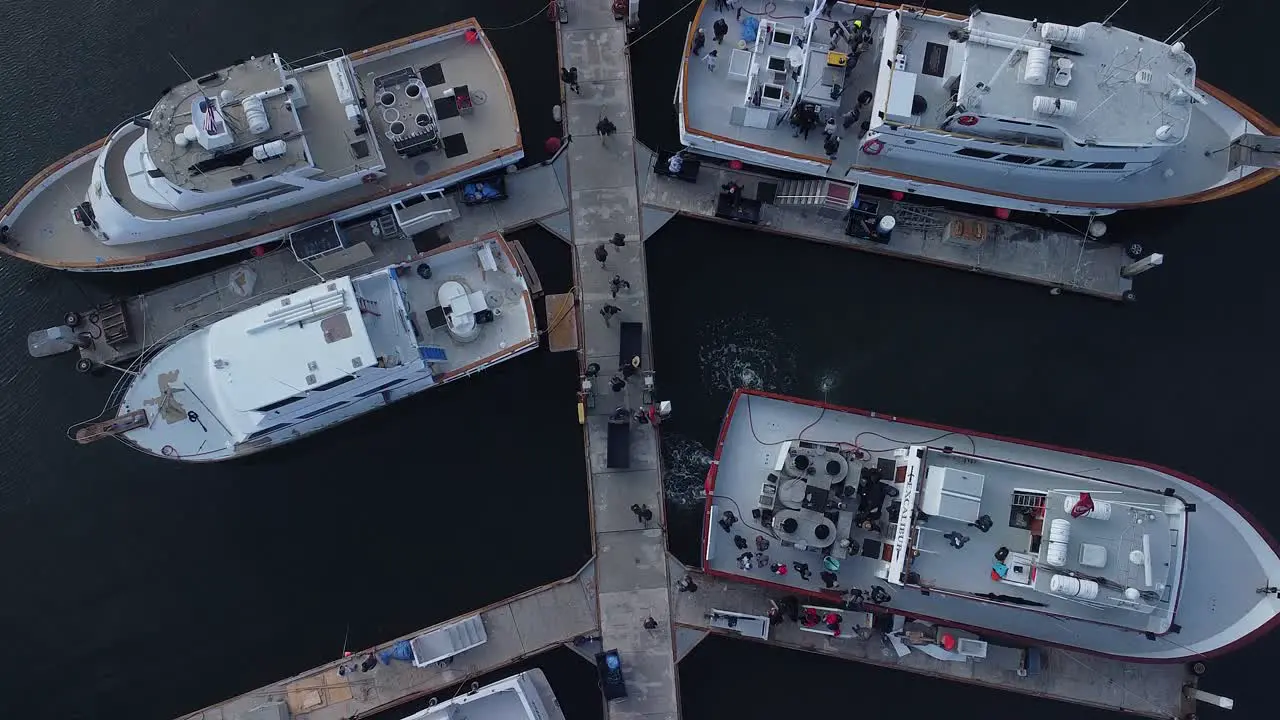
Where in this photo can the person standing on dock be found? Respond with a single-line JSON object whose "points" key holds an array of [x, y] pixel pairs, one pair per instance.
{"points": [[602, 255], [650, 623], [616, 284], [699, 39], [616, 383], [619, 240], [608, 311], [802, 568], [570, 78], [711, 60], [829, 579], [829, 130], [686, 584], [606, 127]]}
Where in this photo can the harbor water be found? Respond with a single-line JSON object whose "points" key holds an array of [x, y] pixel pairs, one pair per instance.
{"points": [[140, 588]]}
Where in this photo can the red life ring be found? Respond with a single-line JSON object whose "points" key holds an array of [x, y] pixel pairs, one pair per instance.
{"points": [[967, 120], [872, 147]]}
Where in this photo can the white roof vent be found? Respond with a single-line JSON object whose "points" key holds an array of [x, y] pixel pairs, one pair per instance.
{"points": [[1143, 76], [1057, 107], [1053, 32]]}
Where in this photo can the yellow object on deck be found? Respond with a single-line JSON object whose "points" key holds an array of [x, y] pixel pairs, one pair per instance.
{"points": [[837, 59], [582, 413]]}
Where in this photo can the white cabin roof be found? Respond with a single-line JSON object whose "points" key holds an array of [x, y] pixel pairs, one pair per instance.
{"points": [[289, 345], [1123, 84]]}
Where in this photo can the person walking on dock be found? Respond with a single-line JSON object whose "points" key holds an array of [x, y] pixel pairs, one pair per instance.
{"points": [[570, 78], [699, 39], [711, 60], [721, 5], [829, 579], [650, 623], [616, 383], [686, 584], [616, 284], [602, 255], [719, 29], [619, 240], [606, 127], [829, 130], [802, 568], [608, 311]]}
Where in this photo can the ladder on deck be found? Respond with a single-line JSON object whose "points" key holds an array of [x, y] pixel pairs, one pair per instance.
{"points": [[388, 228], [368, 306], [1031, 501]]}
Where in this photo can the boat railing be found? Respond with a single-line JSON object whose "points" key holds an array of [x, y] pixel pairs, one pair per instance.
{"points": [[313, 58]]}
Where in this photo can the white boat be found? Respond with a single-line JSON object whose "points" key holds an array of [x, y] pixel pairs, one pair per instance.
{"points": [[986, 109], [1001, 537], [245, 155], [301, 363], [526, 696]]}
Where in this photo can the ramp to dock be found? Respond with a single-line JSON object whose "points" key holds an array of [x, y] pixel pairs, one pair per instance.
{"points": [[631, 565], [524, 625], [562, 322], [1149, 689]]}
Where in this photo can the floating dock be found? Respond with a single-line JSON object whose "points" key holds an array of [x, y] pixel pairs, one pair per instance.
{"points": [[1150, 689], [520, 627], [116, 332], [817, 209]]}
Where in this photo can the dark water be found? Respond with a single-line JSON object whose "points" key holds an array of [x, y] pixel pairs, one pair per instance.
{"points": [[138, 588]]}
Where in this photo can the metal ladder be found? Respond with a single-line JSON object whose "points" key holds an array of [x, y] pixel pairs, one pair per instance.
{"points": [[388, 228], [368, 306]]}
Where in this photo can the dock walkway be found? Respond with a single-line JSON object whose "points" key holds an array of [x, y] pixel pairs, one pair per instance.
{"points": [[1054, 258], [519, 627], [631, 557], [1149, 689]]}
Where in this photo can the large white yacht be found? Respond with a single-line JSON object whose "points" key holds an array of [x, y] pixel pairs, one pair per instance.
{"points": [[246, 154], [1001, 537], [985, 109], [301, 363]]}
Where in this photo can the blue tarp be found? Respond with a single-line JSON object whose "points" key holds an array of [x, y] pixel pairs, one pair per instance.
{"points": [[750, 27], [400, 651], [473, 192]]}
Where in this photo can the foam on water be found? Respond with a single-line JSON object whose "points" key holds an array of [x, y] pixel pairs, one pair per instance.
{"points": [[745, 351], [685, 463]]}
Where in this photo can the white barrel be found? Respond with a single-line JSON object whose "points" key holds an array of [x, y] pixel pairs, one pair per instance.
{"points": [[181, 140], [1059, 107], [1036, 71], [1060, 531], [1101, 508], [273, 149], [1073, 587], [191, 133], [1057, 554], [256, 113], [1055, 32]]}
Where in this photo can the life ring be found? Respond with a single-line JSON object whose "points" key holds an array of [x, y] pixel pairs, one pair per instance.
{"points": [[967, 120], [873, 147], [370, 178]]}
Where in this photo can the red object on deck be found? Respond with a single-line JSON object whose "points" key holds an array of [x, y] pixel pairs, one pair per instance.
{"points": [[898, 195], [258, 251], [735, 164], [948, 641], [472, 37], [552, 145], [1083, 506], [1002, 213]]}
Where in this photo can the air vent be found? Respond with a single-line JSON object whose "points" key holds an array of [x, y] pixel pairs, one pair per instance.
{"points": [[311, 379]]}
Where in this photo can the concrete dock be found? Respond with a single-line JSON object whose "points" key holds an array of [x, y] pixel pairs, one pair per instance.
{"points": [[1152, 690], [535, 194], [520, 627], [631, 556], [1057, 258]]}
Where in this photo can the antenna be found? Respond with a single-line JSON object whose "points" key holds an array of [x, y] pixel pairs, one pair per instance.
{"points": [[1213, 6], [1107, 20]]}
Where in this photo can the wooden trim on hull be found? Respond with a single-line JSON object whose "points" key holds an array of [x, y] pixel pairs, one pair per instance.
{"points": [[709, 487], [30, 185], [1254, 179]]}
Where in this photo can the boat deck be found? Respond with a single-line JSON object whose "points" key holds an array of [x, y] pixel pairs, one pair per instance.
{"points": [[517, 628], [1151, 690], [1204, 620], [42, 230], [1056, 259], [168, 313], [715, 105]]}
